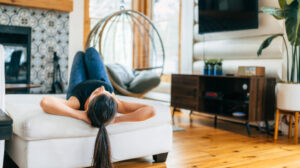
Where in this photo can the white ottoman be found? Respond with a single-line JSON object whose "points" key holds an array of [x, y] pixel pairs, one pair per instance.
{"points": [[1, 152], [44, 140]]}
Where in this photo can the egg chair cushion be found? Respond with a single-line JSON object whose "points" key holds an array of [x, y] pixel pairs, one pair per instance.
{"points": [[144, 81], [121, 74]]}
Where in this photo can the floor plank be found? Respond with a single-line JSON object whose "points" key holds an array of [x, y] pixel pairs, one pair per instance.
{"points": [[203, 146]]}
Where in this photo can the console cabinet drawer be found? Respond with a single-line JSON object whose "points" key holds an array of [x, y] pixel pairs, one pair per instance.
{"points": [[184, 102], [184, 90], [184, 97], [185, 80]]}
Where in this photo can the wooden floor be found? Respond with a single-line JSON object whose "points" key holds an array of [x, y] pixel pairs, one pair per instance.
{"points": [[203, 146]]}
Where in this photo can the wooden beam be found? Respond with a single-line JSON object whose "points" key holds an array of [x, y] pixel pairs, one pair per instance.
{"points": [[166, 78], [179, 40], [86, 21], [141, 53], [58, 5]]}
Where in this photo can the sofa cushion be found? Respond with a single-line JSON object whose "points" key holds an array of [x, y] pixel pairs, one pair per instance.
{"points": [[31, 123], [144, 81]]}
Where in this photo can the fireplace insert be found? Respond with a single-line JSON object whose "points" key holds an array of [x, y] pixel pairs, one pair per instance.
{"points": [[17, 44]]}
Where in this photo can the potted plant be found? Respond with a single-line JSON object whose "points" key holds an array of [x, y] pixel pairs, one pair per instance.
{"points": [[287, 92], [209, 66]]}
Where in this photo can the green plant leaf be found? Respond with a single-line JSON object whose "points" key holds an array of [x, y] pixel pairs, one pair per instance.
{"points": [[266, 43], [276, 12], [289, 1], [281, 3], [292, 22]]}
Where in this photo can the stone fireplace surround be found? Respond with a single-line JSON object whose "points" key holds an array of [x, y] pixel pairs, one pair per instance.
{"points": [[50, 32]]}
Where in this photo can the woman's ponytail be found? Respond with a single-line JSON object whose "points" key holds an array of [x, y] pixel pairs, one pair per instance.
{"points": [[101, 111], [102, 154]]}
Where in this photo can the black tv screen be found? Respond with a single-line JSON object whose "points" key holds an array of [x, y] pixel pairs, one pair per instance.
{"points": [[227, 15]]}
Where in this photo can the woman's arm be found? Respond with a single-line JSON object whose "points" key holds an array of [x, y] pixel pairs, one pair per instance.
{"points": [[63, 107], [133, 112]]}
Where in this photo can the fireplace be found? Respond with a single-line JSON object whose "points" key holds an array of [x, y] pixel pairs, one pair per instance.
{"points": [[17, 46], [49, 33]]}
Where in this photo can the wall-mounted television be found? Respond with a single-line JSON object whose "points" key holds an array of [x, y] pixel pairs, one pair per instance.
{"points": [[227, 15]]}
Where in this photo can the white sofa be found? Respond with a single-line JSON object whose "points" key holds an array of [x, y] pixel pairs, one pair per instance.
{"points": [[2, 93], [50, 141]]}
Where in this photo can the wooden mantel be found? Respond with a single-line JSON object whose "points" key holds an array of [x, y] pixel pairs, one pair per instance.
{"points": [[58, 5]]}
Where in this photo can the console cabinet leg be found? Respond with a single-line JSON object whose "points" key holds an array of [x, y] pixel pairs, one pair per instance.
{"points": [[191, 112], [173, 114], [160, 157], [191, 120], [248, 129], [268, 128], [216, 118]]}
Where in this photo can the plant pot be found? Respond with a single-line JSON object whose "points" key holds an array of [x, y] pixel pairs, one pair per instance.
{"points": [[288, 96], [205, 69], [218, 70], [211, 69]]}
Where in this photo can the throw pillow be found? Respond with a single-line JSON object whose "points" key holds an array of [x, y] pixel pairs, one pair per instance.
{"points": [[144, 81], [120, 74]]}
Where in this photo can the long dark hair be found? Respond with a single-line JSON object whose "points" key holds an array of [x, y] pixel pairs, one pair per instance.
{"points": [[101, 111]]}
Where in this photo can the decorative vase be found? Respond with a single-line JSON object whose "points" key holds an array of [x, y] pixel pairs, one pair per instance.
{"points": [[288, 96], [218, 69], [211, 69]]}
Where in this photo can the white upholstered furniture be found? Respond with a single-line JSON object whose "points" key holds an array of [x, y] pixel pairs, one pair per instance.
{"points": [[44, 140], [2, 77], [2, 93]]}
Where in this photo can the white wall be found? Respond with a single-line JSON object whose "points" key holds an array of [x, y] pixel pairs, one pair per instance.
{"points": [[187, 36], [76, 30], [235, 47]]}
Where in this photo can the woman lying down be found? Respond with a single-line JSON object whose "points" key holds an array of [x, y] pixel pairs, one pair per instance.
{"points": [[90, 98]]}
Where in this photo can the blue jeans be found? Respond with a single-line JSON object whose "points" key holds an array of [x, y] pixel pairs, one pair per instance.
{"points": [[87, 66]]}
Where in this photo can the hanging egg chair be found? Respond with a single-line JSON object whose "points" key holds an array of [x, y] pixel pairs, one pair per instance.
{"points": [[129, 38]]}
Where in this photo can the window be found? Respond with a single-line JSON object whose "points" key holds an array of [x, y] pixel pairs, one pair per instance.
{"points": [[165, 15], [116, 42], [99, 9]]}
